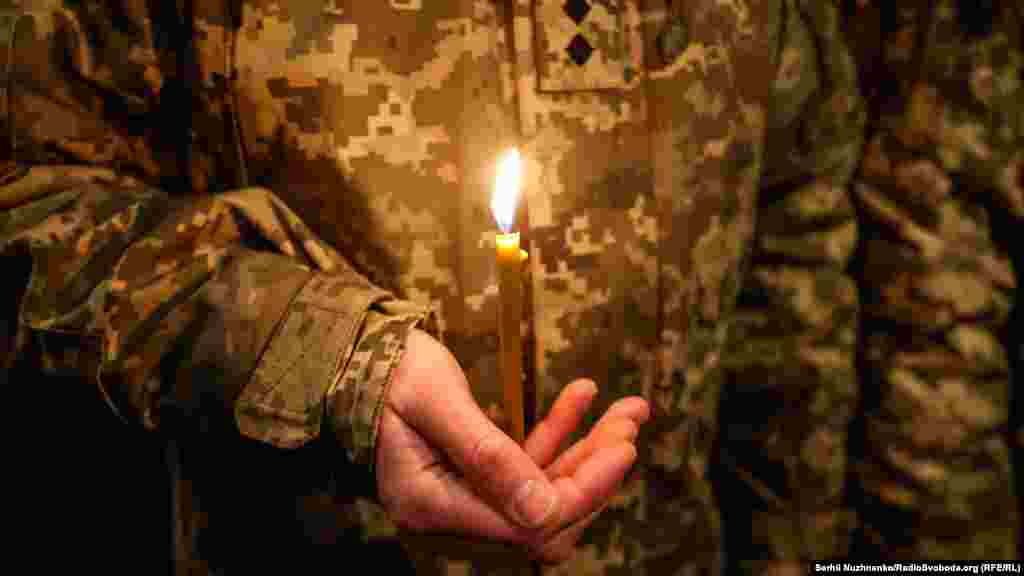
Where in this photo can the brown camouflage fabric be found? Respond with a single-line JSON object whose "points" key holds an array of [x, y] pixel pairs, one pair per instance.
{"points": [[790, 387], [881, 307], [168, 156], [228, 214], [941, 195]]}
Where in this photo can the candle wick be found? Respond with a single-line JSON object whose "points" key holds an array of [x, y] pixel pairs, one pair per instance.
{"points": [[504, 225]]}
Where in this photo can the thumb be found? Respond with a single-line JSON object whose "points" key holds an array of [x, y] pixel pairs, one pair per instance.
{"points": [[440, 407]]}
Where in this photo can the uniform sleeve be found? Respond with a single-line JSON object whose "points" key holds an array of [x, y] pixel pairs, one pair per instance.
{"points": [[218, 307], [789, 387], [940, 196]]}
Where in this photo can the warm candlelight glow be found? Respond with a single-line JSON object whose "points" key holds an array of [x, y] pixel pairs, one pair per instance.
{"points": [[510, 260], [506, 190]]}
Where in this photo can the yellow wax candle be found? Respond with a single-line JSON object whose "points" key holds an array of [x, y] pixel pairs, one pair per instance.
{"points": [[510, 260], [510, 312]]}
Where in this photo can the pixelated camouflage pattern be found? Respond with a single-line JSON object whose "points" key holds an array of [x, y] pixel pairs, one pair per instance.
{"points": [[721, 158], [226, 307], [673, 197], [8, 19], [353, 125], [790, 388], [638, 198], [172, 299], [603, 53], [939, 192], [79, 100], [377, 124]]}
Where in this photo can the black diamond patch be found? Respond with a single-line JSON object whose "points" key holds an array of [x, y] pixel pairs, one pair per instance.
{"points": [[576, 9], [579, 50], [977, 17]]}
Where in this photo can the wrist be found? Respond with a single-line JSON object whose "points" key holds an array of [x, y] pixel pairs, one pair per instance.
{"points": [[361, 387]]}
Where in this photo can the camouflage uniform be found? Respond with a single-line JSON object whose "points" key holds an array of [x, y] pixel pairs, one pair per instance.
{"points": [[923, 375], [941, 190], [227, 215], [790, 387]]}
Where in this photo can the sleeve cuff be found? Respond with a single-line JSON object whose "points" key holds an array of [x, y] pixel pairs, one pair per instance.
{"points": [[330, 358], [357, 396], [284, 403]]}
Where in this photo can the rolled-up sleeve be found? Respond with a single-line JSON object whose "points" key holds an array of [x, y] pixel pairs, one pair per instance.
{"points": [[223, 307], [346, 338]]}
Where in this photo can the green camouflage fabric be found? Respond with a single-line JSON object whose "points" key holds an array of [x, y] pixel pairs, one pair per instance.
{"points": [[222, 307], [941, 197], [790, 387], [157, 300], [178, 151], [919, 245], [243, 206]]}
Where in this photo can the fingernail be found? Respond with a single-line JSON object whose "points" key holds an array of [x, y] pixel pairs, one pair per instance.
{"points": [[535, 502]]}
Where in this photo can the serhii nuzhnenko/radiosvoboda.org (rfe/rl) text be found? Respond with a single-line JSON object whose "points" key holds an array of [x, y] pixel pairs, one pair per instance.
{"points": [[921, 567]]}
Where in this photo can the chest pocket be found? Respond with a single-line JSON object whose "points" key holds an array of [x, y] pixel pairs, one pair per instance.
{"points": [[581, 45]]}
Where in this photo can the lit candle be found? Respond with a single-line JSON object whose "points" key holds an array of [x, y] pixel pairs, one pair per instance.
{"points": [[510, 260]]}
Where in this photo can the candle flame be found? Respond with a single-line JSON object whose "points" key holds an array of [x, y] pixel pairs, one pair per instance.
{"points": [[506, 190]]}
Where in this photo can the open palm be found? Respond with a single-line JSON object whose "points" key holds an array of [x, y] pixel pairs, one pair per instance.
{"points": [[443, 466]]}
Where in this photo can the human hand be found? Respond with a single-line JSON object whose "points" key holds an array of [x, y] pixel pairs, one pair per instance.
{"points": [[443, 466], [620, 423]]}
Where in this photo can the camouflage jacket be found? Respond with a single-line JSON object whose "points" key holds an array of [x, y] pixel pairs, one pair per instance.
{"points": [[878, 318], [225, 215], [940, 192]]}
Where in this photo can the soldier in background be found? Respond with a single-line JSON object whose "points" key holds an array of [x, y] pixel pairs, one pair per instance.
{"points": [[922, 374], [791, 386], [941, 191]]}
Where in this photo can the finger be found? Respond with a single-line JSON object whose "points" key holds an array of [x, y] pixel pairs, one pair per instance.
{"points": [[635, 408], [420, 492], [564, 417], [446, 503], [611, 429], [613, 426], [560, 547], [593, 483], [446, 415]]}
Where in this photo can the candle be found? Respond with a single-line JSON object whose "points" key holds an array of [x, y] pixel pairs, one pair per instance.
{"points": [[510, 260]]}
